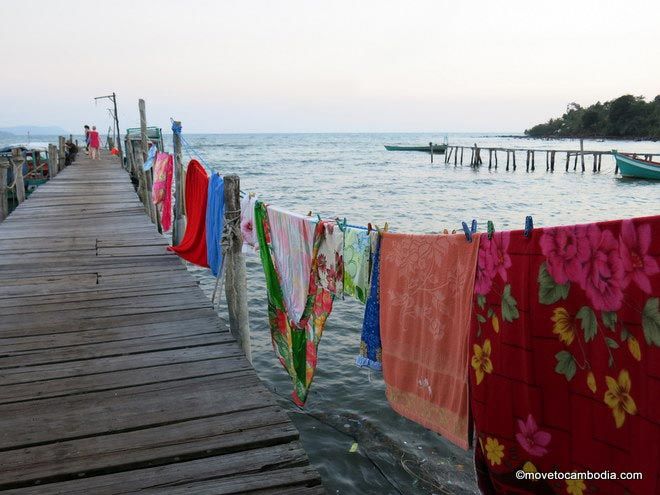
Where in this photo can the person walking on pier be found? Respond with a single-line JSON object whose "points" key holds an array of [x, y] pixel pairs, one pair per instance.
{"points": [[94, 143]]}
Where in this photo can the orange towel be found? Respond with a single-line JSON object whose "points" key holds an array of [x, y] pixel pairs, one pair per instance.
{"points": [[426, 286]]}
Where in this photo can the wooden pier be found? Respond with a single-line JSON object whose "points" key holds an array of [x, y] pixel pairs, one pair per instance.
{"points": [[116, 374]]}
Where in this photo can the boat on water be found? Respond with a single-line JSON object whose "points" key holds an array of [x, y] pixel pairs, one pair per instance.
{"points": [[631, 166], [437, 148]]}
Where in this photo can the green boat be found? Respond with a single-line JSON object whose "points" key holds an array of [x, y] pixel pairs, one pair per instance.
{"points": [[630, 166], [437, 148]]}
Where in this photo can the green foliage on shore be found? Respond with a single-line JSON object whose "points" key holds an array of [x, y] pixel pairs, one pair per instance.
{"points": [[625, 117]]}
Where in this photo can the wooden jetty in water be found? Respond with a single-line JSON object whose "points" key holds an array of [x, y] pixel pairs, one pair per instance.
{"points": [[116, 374], [455, 155]]}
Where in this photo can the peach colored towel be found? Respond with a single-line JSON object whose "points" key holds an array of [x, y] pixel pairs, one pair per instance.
{"points": [[426, 287]]}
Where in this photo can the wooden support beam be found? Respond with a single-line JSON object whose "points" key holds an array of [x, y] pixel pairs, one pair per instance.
{"points": [[52, 161], [513, 153], [17, 160], [527, 161], [4, 200], [147, 176], [582, 153], [495, 151], [461, 155], [236, 280], [179, 190], [533, 161], [61, 153], [507, 160]]}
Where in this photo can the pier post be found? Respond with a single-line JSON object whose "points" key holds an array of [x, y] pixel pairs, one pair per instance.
{"points": [[575, 162], [552, 162], [179, 190], [547, 161], [461, 155], [568, 160], [527, 162], [61, 153], [431, 146], [52, 161], [513, 153], [600, 159], [507, 160], [17, 161], [595, 167], [533, 161], [582, 153], [455, 156], [4, 203], [235, 278], [146, 175]]}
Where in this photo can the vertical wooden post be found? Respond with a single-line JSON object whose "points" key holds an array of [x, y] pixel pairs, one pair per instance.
{"points": [[495, 159], [552, 162], [17, 161], [533, 160], [527, 162], [507, 160], [431, 146], [179, 190], [513, 153], [4, 202], [568, 160], [461, 155], [455, 156], [146, 175], [595, 167], [236, 280], [61, 153], [577, 154], [600, 159], [582, 153], [52, 161]]}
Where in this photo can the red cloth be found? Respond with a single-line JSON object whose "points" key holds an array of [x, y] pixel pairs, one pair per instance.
{"points": [[94, 140], [193, 245], [565, 357]]}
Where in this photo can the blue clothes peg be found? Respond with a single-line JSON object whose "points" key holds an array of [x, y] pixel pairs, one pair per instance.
{"points": [[529, 225], [491, 229], [468, 234], [473, 227], [319, 217]]}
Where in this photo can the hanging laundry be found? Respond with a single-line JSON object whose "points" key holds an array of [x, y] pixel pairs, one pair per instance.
{"points": [[330, 260], [250, 244], [215, 219], [161, 192], [370, 346], [292, 241], [565, 357], [357, 252], [151, 157], [295, 343], [193, 245], [426, 286]]}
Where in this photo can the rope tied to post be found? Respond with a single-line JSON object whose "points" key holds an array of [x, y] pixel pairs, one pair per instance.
{"points": [[176, 127], [231, 233]]}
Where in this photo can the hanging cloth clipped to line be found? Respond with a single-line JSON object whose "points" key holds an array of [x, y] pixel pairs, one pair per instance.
{"points": [[215, 216]]}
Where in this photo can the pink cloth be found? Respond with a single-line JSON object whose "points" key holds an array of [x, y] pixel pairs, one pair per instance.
{"points": [[94, 140], [161, 193]]}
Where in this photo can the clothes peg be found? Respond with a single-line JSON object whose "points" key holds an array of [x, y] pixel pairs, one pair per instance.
{"points": [[491, 229], [319, 217], [309, 213], [468, 234], [446, 232], [369, 228], [473, 227], [529, 225], [386, 227], [251, 195]]}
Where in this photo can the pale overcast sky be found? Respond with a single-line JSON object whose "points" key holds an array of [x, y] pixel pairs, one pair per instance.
{"points": [[323, 66]]}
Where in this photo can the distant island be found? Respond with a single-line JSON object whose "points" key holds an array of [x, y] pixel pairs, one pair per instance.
{"points": [[626, 117], [34, 130]]}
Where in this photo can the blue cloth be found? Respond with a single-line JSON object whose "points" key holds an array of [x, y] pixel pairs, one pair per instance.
{"points": [[370, 353], [151, 158], [215, 219]]}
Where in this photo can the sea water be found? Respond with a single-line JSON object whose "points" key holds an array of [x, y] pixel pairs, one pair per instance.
{"points": [[353, 176]]}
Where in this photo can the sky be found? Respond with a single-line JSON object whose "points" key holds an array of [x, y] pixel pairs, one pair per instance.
{"points": [[322, 66]]}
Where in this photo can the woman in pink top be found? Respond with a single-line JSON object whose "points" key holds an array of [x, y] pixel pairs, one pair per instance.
{"points": [[94, 143]]}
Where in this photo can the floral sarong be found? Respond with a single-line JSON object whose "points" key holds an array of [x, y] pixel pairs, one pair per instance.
{"points": [[565, 358], [330, 259], [426, 287], [292, 245], [295, 344], [357, 252], [161, 192], [370, 346]]}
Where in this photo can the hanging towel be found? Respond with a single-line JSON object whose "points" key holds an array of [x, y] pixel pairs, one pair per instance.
{"points": [[151, 158], [161, 193], [215, 219], [330, 260], [193, 245], [250, 244], [357, 253], [370, 346], [295, 344], [565, 357], [426, 286], [292, 241]]}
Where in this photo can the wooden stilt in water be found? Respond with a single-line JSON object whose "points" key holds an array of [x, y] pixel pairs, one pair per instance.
{"points": [[455, 156], [495, 151], [582, 153], [461, 155], [552, 162], [507, 160], [568, 160], [575, 162], [490, 159], [527, 161], [547, 161], [513, 154], [533, 159], [600, 159], [431, 146]]}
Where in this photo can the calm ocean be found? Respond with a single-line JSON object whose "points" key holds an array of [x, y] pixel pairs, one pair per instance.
{"points": [[353, 176]]}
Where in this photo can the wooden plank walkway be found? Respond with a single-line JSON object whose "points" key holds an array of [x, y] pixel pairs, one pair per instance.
{"points": [[116, 375]]}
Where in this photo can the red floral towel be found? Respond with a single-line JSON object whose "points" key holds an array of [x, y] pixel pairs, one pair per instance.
{"points": [[193, 245], [565, 365], [426, 284]]}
